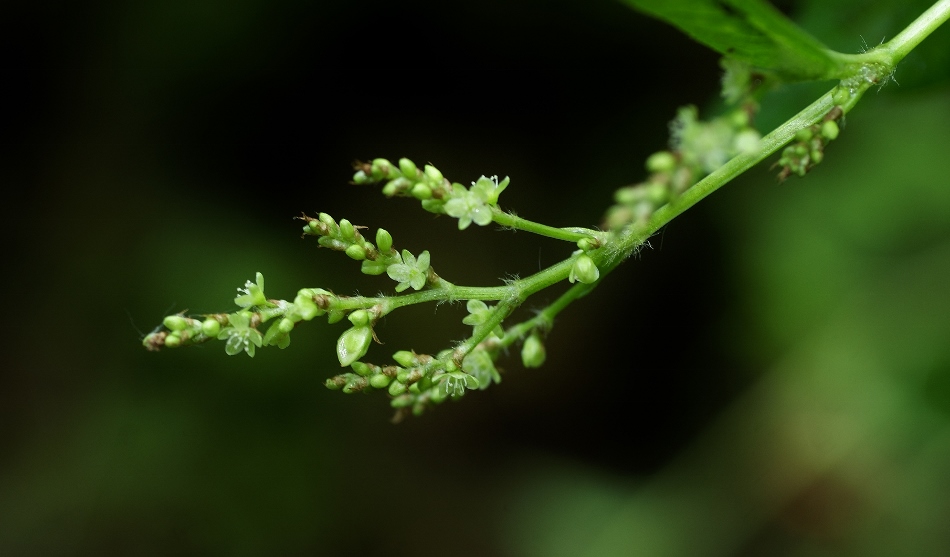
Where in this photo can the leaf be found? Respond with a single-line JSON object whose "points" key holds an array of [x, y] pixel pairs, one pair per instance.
{"points": [[752, 31]]}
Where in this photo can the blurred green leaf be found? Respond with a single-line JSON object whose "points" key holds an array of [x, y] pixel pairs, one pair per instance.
{"points": [[749, 30]]}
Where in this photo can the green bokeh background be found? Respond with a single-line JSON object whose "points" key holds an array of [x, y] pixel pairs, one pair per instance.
{"points": [[771, 378]]}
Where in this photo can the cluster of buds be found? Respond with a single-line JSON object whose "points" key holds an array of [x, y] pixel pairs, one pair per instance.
{"points": [[808, 147], [697, 149], [437, 194], [418, 381]]}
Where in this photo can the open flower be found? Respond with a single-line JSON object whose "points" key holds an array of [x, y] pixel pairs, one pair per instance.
{"points": [[455, 383], [240, 335], [253, 294], [474, 204], [411, 272]]}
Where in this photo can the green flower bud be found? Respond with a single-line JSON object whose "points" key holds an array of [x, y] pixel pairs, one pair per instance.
{"points": [[335, 316], [353, 344], [373, 267], [211, 327], [304, 305], [434, 205], [356, 252], [405, 358], [361, 178], [335, 383], [830, 130], [401, 401], [421, 191], [396, 388], [359, 318], [408, 168], [433, 174], [396, 186], [355, 385], [285, 325], [384, 241], [312, 227], [816, 156], [327, 220], [587, 244], [175, 323], [362, 369], [332, 243], [347, 230], [533, 353], [629, 194], [662, 161], [381, 168], [380, 381], [584, 270], [739, 119], [657, 193], [403, 376]]}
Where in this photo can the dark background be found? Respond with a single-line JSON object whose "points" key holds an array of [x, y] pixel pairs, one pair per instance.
{"points": [[727, 388]]}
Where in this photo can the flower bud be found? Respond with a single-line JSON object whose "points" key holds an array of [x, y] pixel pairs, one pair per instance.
{"points": [[408, 168], [421, 191], [327, 220], [359, 318], [356, 252], [405, 358], [533, 353], [381, 168], [172, 340], [362, 368], [305, 306], [587, 244], [584, 270], [384, 241], [361, 178], [662, 161], [396, 388], [433, 174], [373, 267], [355, 385], [175, 323], [380, 381], [830, 130], [347, 230], [434, 205], [285, 325], [211, 327], [353, 344]]}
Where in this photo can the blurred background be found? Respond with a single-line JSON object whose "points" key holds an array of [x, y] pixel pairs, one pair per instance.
{"points": [[771, 378]]}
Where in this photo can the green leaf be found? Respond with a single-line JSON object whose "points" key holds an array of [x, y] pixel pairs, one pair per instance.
{"points": [[752, 31]]}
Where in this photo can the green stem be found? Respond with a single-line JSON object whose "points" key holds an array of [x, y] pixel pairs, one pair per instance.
{"points": [[571, 234], [920, 29]]}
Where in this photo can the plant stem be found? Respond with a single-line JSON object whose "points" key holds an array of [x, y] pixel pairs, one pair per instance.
{"points": [[913, 34], [568, 234]]}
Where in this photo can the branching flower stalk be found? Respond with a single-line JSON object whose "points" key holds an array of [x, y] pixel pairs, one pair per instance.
{"points": [[703, 157]]}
